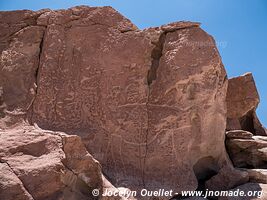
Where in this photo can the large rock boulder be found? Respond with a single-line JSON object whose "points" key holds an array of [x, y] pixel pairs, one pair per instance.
{"points": [[142, 101], [242, 101]]}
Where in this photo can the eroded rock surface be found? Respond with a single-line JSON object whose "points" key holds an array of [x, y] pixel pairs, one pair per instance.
{"points": [[11, 186], [149, 105], [142, 101], [38, 164]]}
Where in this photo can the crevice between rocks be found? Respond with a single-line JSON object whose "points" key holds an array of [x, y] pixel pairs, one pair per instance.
{"points": [[155, 59], [36, 74], [156, 55]]}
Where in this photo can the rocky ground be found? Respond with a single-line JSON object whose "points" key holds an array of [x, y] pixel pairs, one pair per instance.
{"points": [[90, 102]]}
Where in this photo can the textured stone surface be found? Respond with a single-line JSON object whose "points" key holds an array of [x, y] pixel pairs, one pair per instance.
{"points": [[143, 101], [38, 164], [242, 101], [248, 152]]}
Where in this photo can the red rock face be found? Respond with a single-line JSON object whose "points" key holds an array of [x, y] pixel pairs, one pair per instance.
{"points": [[144, 102]]}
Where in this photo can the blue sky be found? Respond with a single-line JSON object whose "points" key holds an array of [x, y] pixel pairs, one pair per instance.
{"points": [[239, 27]]}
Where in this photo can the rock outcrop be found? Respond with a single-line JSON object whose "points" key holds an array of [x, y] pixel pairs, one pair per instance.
{"points": [[150, 107], [242, 101], [142, 101]]}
